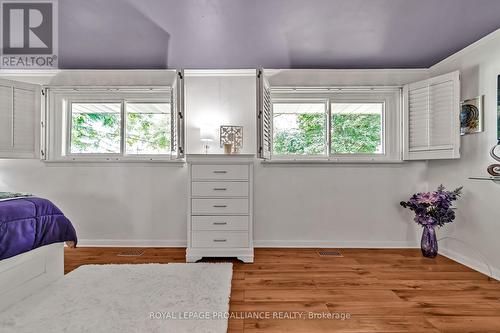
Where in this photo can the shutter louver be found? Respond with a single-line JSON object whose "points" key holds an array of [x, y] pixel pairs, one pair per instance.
{"points": [[441, 117], [24, 120], [19, 119], [419, 118], [264, 116], [173, 121], [6, 119]]}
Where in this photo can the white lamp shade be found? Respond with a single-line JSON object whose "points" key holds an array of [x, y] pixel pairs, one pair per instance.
{"points": [[207, 134]]}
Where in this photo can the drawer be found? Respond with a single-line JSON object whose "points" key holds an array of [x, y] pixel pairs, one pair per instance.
{"points": [[221, 172], [207, 223], [219, 206], [219, 239], [219, 189]]}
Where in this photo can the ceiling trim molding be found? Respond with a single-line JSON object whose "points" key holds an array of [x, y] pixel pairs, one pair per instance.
{"points": [[220, 72], [273, 71], [29, 72]]}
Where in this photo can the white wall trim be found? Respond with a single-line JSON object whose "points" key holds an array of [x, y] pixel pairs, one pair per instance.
{"points": [[474, 263], [220, 72], [336, 244], [131, 243], [273, 71], [29, 73], [257, 243]]}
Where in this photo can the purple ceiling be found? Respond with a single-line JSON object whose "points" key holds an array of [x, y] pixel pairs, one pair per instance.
{"points": [[269, 33]]}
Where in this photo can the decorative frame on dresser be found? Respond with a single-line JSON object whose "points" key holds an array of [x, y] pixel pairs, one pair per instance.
{"points": [[220, 207]]}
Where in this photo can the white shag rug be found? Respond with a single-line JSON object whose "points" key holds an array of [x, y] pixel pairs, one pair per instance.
{"points": [[128, 298]]}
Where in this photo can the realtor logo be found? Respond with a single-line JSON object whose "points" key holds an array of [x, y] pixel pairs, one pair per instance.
{"points": [[29, 34]]}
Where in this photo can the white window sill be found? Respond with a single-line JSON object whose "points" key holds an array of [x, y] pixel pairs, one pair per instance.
{"points": [[330, 162], [115, 162]]}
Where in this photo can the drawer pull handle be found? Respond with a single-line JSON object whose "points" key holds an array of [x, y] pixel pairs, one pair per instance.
{"points": [[220, 240], [220, 189], [220, 223], [220, 171], [220, 206]]}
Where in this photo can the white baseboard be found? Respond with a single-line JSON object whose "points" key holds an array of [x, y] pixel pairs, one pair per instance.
{"points": [[336, 244], [257, 243], [475, 263], [131, 243]]}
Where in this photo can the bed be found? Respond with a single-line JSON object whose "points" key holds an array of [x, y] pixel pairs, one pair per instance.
{"points": [[32, 235]]}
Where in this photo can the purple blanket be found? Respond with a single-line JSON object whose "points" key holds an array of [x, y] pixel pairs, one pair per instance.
{"points": [[28, 223]]}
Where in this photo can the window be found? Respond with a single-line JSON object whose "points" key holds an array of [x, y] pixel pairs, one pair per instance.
{"points": [[95, 128], [299, 128], [357, 128], [148, 128], [351, 125], [113, 124]]}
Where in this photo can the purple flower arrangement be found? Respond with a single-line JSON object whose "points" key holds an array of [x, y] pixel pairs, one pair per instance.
{"points": [[433, 208]]}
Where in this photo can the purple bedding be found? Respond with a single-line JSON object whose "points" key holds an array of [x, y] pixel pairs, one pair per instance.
{"points": [[28, 223]]}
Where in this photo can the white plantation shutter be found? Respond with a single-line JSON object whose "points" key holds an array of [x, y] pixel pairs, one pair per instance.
{"points": [[177, 120], [19, 119], [264, 116], [432, 118]]}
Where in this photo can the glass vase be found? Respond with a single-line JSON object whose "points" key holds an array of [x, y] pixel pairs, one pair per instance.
{"points": [[429, 244]]}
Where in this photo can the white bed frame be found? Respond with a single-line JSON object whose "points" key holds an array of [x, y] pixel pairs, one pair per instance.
{"points": [[26, 273]]}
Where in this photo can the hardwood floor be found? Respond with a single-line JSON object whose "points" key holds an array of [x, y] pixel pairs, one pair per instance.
{"points": [[394, 290]]}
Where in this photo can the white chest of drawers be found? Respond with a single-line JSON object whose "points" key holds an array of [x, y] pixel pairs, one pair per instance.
{"points": [[220, 216]]}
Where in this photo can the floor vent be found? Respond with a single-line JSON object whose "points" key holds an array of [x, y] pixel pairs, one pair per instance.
{"points": [[131, 253], [330, 253]]}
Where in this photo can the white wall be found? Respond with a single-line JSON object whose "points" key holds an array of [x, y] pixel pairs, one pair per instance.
{"points": [[346, 206], [126, 204], [477, 228], [143, 204]]}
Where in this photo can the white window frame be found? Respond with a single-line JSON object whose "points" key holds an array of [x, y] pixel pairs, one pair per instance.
{"points": [[391, 97], [59, 115]]}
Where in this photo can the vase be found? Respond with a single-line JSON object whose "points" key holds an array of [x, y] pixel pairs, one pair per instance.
{"points": [[429, 244], [228, 148]]}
